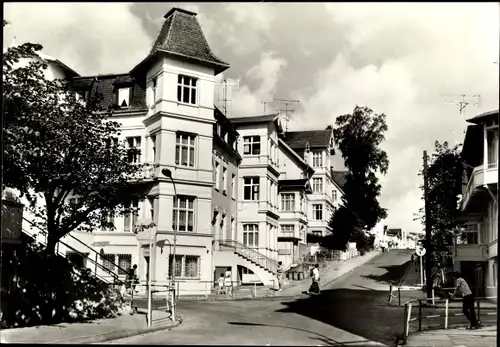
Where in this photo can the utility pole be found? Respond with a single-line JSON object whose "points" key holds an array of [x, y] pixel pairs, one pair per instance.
{"points": [[287, 102], [428, 235]]}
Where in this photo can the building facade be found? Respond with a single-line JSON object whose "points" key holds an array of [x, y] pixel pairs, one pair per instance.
{"points": [[476, 248]]}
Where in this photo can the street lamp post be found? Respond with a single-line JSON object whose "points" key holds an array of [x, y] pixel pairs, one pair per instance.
{"points": [[167, 173]]}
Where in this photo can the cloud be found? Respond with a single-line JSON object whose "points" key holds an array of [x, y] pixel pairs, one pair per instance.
{"points": [[89, 37]]}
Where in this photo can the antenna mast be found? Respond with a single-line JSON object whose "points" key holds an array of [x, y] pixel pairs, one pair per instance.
{"points": [[265, 103], [465, 101], [225, 84], [287, 102]]}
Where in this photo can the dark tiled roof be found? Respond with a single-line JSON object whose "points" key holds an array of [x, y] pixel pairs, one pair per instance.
{"points": [[482, 117], [182, 35], [339, 177], [257, 119], [315, 138], [125, 79], [107, 86]]}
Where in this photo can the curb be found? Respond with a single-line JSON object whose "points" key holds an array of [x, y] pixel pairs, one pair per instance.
{"points": [[116, 335]]}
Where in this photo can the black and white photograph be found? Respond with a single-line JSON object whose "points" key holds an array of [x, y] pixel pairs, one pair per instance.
{"points": [[254, 173]]}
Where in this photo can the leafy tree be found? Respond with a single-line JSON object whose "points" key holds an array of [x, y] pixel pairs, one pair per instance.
{"points": [[444, 177], [56, 147], [358, 136]]}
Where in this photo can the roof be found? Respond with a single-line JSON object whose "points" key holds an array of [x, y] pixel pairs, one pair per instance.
{"points": [[482, 117], [296, 155], [302, 183], [315, 138], [339, 177], [181, 35], [257, 119], [473, 145]]}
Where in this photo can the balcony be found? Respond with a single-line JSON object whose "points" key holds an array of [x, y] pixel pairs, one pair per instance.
{"points": [[480, 176], [470, 252]]}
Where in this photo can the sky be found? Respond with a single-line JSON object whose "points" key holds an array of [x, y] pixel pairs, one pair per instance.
{"points": [[410, 61]]}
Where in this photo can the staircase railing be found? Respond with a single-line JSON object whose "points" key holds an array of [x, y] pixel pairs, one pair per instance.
{"points": [[114, 275], [251, 254], [116, 280]]}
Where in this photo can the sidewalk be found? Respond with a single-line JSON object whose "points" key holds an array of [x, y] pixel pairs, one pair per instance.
{"points": [[96, 331], [484, 337], [328, 274]]}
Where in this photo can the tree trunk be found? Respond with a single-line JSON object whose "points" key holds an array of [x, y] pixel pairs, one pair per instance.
{"points": [[52, 240]]}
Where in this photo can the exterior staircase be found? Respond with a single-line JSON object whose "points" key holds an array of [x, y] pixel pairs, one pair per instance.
{"points": [[262, 266], [108, 275]]}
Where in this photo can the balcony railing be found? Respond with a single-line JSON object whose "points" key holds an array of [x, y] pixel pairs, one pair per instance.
{"points": [[479, 176]]}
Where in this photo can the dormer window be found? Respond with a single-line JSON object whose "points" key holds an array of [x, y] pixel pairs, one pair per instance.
{"points": [[186, 89], [82, 95], [124, 97]]}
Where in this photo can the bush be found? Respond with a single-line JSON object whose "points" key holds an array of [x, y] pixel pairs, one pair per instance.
{"points": [[49, 290]]}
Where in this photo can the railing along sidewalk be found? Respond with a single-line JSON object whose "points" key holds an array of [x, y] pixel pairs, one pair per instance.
{"points": [[422, 304]]}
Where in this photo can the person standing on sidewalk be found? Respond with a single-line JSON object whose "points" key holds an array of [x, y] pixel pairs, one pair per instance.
{"points": [[314, 288], [467, 300], [279, 274]]}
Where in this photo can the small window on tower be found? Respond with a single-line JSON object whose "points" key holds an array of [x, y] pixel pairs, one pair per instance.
{"points": [[124, 97]]}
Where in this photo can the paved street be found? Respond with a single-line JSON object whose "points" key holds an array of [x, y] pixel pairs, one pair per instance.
{"points": [[350, 313]]}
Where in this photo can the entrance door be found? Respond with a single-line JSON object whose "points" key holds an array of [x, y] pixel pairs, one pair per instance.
{"points": [[146, 258]]}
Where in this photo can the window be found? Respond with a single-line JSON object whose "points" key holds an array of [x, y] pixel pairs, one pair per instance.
{"points": [[221, 226], [288, 228], [334, 195], [224, 180], [124, 263], [317, 211], [107, 218], [469, 234], [251, 235], [317, 185], [134, 149], [108, 261], [130, 219], [153, 142], [153, 87], [183, 214], [184, 150], [251, 188], [151, 208], [317, 159], [217, 175], [492, 135], [288, 202], [124, 97], [233, 186], [233, 227], [186, 89], [186, 266], [251, 145]]}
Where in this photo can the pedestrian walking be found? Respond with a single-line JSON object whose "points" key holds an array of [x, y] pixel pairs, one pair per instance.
{"points": [[227, 281], [279, 273], [314, 288], [467, 300], [221, 289]]}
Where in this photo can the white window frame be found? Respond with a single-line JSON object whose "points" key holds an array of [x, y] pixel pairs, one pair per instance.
{"points": [[189, 146], [109, 261], [127, 267], [187, 84], [217, 175], [288, 228], [254, 184], [334, 194], [317, 209], [180, 264], [224, 180], [316, 185], [154, 85], [288, 202], [470, 230], [317, 157], [233, 186], [153, 148], [188, 210], [124, 95], [134, 142], [131, 219], [252, 142], [251, 231]]}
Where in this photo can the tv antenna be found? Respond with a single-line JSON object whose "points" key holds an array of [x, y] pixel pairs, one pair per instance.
{"points": [[287, 102], [265, 103], [225, 84], [464, 100]]}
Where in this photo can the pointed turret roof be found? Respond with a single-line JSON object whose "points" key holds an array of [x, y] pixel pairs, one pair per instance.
{"points": [[182, 36]]}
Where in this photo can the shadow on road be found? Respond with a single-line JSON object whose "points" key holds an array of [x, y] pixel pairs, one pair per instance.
{"points": [[320, 337], [360, 312], [393, 273]]}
